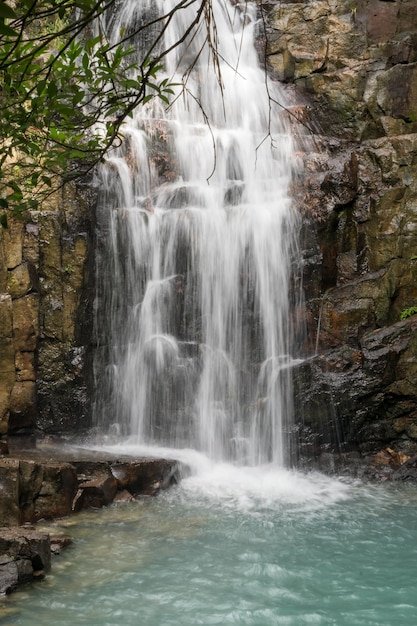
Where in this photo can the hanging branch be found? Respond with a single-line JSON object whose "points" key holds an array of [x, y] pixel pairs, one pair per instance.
{"points": [[51, 102]]}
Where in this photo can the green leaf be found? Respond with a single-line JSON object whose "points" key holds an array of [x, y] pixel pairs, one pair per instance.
{"points": [[85, 61], [40, 87], [7, 30], [52, 89], [3, 220], [6, 11]]}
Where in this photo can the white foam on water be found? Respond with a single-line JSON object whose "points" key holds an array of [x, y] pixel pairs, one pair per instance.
{"points": [[245, 488]]}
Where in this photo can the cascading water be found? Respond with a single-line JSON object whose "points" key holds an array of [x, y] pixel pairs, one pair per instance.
{"points": [[196, 234]]}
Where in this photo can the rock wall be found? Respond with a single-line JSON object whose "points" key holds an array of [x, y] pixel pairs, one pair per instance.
{"points": [[46, 271], [354, 66]]}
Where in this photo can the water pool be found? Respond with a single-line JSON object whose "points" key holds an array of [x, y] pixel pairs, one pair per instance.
{"points": [[237, 546]]}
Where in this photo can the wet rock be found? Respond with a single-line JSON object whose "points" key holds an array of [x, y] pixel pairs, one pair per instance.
{"points": [[5, 387], [394, 93], [44, 286], [25, 366], [9, 500], [390, 457], [59, 542], [9, 578], [340, 56], [123, 496], [407, 471], [95, 493], [146, 477], [33, 491], [382, 20], [24, 555], [342, 185], [57, 492], [35, 485], [361, 398]]}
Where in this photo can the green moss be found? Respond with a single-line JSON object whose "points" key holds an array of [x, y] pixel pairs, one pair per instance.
{"points": [[412, 310]]}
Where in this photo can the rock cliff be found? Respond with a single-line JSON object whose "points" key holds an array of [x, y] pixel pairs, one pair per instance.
{"points": [[354, 66], [46, 272]]}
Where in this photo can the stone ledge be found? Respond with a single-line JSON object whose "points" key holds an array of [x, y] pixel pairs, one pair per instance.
{"points": [[49, 482]]}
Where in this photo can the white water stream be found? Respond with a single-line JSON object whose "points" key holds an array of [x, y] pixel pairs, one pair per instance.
{"points": [[197, 232]]}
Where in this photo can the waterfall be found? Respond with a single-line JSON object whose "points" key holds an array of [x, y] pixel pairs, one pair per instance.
{"points": [[196, 234]]}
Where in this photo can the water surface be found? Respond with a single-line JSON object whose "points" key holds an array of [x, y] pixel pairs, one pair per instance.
{"points": [[237, 546]]}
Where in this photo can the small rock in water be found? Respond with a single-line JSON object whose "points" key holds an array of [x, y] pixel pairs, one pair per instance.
{"points": [[123, 496], [59, 542]]}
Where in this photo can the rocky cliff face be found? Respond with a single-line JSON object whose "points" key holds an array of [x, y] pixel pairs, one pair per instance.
{"points": [[45, 315], [355, 66]]}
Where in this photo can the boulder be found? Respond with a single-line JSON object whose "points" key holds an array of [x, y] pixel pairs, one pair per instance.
{"points": [[59, 542], [24, 556], [146, 477], [95, 493]]}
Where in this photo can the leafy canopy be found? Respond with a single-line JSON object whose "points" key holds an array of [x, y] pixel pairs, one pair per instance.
{"points": [[65, 90]]}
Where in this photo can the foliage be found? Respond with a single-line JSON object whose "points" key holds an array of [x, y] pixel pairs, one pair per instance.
{"points": [[66, 90], [412, 310]]}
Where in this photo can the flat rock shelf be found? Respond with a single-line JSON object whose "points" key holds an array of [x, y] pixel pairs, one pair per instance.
{"points": [[48, 482]]}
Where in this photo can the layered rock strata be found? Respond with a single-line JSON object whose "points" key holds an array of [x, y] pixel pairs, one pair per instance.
{"points": [[45, 315]]}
